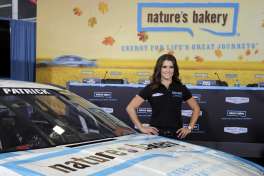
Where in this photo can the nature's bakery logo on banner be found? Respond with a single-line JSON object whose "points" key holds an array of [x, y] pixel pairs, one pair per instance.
{"points": [[122, 39], [215, 18]]}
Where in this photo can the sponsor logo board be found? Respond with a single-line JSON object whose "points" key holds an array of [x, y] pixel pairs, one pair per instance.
{"points": [[237, 100], [235, 130], [103, 94]]}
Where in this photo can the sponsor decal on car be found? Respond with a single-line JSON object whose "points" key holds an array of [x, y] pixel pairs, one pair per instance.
{"points": [[73, 164], [235, 130], [24, 91], [108, 110], [237, 100]]}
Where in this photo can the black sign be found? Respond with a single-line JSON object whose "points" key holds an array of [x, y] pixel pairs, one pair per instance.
{"points": [[227, 114]]}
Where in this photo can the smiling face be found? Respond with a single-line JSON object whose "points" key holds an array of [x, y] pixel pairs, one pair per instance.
{"points": [[167, 70]]}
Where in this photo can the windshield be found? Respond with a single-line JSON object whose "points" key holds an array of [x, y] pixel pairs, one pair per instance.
{"points": [[53, 118]]}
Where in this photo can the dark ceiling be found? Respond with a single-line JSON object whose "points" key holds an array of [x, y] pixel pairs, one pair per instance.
{"points": [[26, 9]]}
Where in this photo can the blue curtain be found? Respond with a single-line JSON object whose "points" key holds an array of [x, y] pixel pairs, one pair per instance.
{"points": [[23, 50]]}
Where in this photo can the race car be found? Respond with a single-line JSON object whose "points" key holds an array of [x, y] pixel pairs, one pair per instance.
{"points": [[47, 130], [68, 61]]}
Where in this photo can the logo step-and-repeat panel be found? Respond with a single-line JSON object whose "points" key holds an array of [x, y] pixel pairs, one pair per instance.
{"points": [[227, 114]]}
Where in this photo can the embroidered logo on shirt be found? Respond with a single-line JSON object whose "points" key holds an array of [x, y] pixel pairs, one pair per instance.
{"points": [[176, 94], [157, 94]]}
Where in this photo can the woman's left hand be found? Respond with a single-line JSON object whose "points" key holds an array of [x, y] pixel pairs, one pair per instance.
{"points": [[183, 132]]}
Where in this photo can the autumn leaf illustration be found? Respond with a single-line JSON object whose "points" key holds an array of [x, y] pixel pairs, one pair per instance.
{"points": [[199, 59], [142, 36], [103, 7], [171, 52], [218, 53], [108, 41], [256, 51], [77, 11], [262, 25], [240, 57], [248, 52], [92, 21]]}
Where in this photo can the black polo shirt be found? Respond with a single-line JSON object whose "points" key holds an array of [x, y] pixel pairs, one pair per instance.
{"points": [[166, 104]]}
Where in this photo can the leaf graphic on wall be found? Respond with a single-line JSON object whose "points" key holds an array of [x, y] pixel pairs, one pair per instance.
{"points": [[77, 11], [240, 57], [262, 25], [103, 7], [171, 52], [92, 21], [142, 36], [199, 59], [108, 41], [256, 51], [248, 52], [218, 53]]}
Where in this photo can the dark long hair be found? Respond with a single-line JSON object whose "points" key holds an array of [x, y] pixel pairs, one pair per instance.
{"points": [[156, 76]]}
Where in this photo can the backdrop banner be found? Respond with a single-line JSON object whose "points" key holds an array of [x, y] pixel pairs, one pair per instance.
{"points": [[121, 39]]}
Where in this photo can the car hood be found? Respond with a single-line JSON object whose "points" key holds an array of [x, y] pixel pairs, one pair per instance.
{"points": [[128, 155]]}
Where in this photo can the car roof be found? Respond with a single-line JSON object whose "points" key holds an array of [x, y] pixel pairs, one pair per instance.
{"points": [[68, 56], [24, 84]]}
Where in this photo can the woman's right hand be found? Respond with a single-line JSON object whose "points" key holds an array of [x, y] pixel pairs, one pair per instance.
{"points": [[131, 110], [149, 130]]}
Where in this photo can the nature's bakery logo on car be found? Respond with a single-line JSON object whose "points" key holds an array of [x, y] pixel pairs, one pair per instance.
{"points": [[74, 164], [215, 18]]}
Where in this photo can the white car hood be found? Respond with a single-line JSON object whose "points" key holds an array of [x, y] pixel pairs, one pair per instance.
{"points": [[132, 155]]}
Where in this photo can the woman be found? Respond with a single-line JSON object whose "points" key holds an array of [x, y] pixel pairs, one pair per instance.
{"points": [[165, 93]]}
